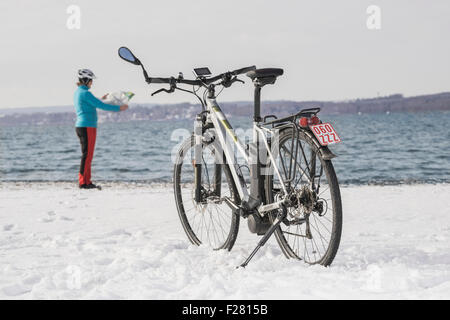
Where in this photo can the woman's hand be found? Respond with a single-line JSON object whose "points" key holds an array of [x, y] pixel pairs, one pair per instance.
{"points": [[123, 107]]}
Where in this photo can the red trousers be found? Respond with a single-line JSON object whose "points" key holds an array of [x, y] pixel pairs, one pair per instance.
{"points": [[87, 140]]}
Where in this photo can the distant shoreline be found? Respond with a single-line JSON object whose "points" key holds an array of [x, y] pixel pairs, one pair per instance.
{"points": [[138, 112], [388, 98]]}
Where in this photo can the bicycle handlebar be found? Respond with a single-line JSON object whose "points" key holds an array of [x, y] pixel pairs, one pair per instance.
{"points": [[199, 82]]}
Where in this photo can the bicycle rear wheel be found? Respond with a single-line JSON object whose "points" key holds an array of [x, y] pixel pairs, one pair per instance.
{"points": [[312, 229], [211, 221]]}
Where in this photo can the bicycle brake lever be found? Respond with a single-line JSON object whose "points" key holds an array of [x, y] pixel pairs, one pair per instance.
{"points": [[228, 83], [236, 79], [160, 90]]}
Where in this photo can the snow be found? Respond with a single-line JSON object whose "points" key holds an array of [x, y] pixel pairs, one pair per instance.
{"points": [[126, 242]]}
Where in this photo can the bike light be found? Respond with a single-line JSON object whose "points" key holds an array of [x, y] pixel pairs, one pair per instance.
{"points": [[314, 120], [303, 122]]}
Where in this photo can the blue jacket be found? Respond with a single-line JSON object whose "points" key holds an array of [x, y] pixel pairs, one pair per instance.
{"points": [[86, 107]]}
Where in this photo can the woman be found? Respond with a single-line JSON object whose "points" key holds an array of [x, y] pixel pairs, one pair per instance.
{"points": [[86, 126]]}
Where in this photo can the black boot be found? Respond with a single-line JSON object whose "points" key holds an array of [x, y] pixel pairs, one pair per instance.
{"points": [[90, 186]]}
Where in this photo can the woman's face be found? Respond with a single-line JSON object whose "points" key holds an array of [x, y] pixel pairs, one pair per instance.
{"points": [[89, 85]]}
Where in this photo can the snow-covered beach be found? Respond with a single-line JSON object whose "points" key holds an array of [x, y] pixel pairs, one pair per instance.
{"points": [[126, 242]]}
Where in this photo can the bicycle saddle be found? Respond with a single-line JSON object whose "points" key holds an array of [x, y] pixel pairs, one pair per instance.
{"points": [[265, 76]]}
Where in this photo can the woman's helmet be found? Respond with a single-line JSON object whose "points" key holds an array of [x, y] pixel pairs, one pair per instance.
{"points": [[86, 73]]}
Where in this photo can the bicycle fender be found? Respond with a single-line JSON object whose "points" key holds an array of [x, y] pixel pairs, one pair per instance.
{"points": [[324, 151]]}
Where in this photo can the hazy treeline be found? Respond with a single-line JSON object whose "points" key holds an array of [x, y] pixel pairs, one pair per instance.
{"points": [[393, 103]]}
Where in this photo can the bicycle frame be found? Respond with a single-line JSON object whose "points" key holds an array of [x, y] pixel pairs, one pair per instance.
{"points": [[228, 140]]}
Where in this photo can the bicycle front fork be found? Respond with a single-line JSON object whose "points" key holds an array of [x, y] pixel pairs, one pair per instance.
{"points": [[199, 195], [254, 198], [198, 133]]}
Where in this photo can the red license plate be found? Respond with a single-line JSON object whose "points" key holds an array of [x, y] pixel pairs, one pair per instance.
{"points": [[325, 133]]}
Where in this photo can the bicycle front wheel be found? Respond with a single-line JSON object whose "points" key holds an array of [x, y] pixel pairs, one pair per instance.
{"points": [[211, 221]]}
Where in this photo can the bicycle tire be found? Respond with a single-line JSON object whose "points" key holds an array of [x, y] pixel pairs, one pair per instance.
{"points": [[180, 201], [335, 234]]}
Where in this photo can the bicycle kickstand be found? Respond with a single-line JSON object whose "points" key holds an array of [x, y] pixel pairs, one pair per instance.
{"points": [[266, 236]]}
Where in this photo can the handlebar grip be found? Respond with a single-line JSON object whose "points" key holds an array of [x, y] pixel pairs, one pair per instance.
{"points": [[243, 70], [190, 82], [169, 80], [158, 80]]}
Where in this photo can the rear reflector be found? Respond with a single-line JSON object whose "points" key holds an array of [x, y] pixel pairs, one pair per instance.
{"points": [[305, 122], [314, 120]]}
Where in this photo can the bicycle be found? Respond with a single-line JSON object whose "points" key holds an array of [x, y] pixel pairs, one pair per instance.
{"points": [[293, 190]]}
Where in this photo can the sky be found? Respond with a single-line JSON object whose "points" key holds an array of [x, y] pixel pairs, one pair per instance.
{"points": [[325, 47]]}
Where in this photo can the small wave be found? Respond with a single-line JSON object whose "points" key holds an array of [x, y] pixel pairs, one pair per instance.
{"points": [[27, 170], [126, 170], [392, 182], [168, 181], [67, 151]]}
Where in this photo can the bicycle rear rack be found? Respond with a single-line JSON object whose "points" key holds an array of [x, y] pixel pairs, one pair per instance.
{"points": [[292, 118], [291, 121]]}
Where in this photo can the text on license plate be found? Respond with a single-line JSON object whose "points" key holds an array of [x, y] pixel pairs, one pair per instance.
{"points": [[325, 133]]}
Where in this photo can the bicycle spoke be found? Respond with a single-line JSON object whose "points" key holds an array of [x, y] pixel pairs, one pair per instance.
{"points": [[301, 169], [211, 221], [317, 219], [320, 235]]}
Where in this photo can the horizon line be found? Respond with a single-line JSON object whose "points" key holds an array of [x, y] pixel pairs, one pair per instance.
{"points": [[243, 101]]}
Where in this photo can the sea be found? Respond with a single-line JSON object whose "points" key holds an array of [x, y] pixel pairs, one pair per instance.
{"points": [[380, 149]]}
